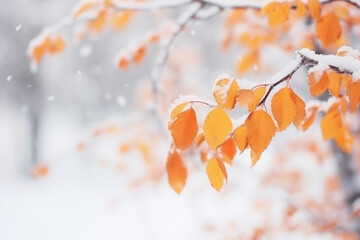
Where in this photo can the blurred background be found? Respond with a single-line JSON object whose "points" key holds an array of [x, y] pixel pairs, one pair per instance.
{"points": [[82, 156]]}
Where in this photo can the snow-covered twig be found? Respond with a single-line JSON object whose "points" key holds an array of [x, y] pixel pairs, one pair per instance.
{"points": [[339, 64]]}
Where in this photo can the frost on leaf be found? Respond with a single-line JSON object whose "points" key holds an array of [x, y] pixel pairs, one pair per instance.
{"points": [[283, 107], [260, 130], [318, 84], [184, 129], [217, 127], [216, 172], [225, 92], [176, 170]]}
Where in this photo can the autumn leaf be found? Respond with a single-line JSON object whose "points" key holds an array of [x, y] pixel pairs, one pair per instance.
{"points": [[98, 24], [82, 8], [248, 60], [177, 171], [120, 20], [216, 172], [318, 85], [139, 54], [283, 107], [240, 137], [225, 92], [330, 124], [334, 83], [255, 157], [184, 129], [245, 97], [310, 118], [344, 139], [354, 95], [279, 15], [300, 9], [341, 11], [259, 93], [328, 29], [260, 130], [300, 109], [123, 63], [217, 127], [177, 110], [228, 150], [314, 8]]}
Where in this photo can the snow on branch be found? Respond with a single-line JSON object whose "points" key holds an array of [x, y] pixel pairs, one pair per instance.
{"points": [[340, 64]]}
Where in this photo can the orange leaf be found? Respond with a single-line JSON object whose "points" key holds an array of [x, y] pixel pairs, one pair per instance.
{"points": [[228, 151], [247, 61], [217, 127], [328, 29], [216, 172], [330, 124], [177, 110], [225, 92], [254, 157], [341, 11], [177, 171], [98, 24], [245, 97], [82, 8], [184, 129], [354, 95], [314, 8], [310, 118], [199, 140], [335, 83], [123, 63], [300, 109], [318, 86], [283, 107], [240, 137], [259, 92], [139, 54], [300, 9], [260, 130], [57, 45], [120, 20], [270, 7], [344, 139], [279, 15]]}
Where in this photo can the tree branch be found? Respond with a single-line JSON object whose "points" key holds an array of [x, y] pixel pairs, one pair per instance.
{"points": [[347, 65]]}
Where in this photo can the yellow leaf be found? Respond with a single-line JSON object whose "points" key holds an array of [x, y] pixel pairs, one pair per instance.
{"points": [[328, 29], [314, 8], [217, 127], [330, 124], [259, 92], [260, 130], [279, 15], [184, 129], [216, 172], [310, 118], [341, 11], [177, 171], [228, 151], [254, 157], [245, 97], [177, 110], [247, 61], [98, 24], [354, 95], [269, 7], [344, 139], [283, 107], [82, 8], [335, 83], [240, 137], [300, 9], [318, 86], [300, 109], [225, 92], [120, 20]]}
